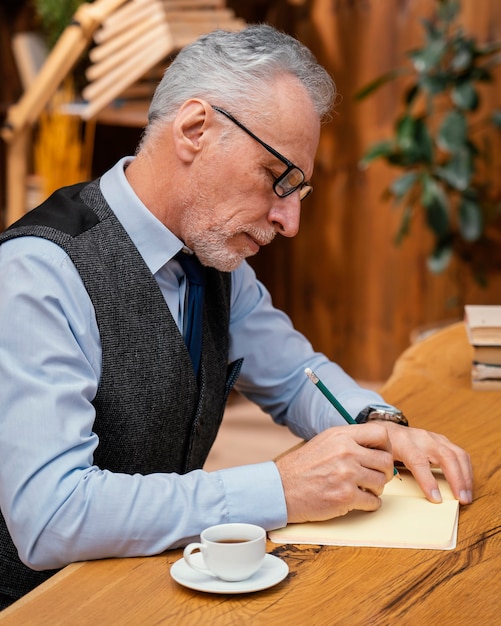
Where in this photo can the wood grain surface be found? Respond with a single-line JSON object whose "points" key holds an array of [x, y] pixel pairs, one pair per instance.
{"points": [[331, 585]]}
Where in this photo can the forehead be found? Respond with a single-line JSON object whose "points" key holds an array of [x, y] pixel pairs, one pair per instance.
{"points": [[292, 125]]}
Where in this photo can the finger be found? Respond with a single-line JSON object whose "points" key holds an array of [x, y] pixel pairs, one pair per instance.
{"points": [[467, 469], [373, 481], [380, 464], [372, 435], [456, 466], [367, 501], [427, 481]]}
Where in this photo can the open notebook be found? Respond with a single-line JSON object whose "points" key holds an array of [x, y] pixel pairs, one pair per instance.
{"points": [[406, 519]]}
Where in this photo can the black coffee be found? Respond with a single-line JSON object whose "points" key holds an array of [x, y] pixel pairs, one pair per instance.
{"points": [[231, 540]]}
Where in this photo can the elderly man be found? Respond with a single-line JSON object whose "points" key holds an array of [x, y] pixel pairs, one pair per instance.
{"points": [[108, 412]]}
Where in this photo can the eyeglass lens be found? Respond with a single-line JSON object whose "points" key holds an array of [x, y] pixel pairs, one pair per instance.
{"points": [[289, 181]]}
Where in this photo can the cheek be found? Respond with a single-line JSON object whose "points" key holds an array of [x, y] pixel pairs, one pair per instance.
{"points": [[233, 194], [250, 208], [239, 175]]}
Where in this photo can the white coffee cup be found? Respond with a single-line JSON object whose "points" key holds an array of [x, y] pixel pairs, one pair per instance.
{"points": [[231, 552]]}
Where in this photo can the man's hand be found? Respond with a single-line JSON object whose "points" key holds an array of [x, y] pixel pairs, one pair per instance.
{"points": [[420, 449], [341, 469]]}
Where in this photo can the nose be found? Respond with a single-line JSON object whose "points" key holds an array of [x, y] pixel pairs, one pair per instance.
{"points": [[285, 214]]}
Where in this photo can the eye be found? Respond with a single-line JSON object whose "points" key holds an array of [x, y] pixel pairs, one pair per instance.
{"points": [[272, 175], [295, 178]]}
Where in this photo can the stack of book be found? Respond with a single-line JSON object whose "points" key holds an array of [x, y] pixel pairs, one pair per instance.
{"points": [[483, 326]]}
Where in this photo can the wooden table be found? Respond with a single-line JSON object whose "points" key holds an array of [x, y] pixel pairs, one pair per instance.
{"points": [[331, 585]]}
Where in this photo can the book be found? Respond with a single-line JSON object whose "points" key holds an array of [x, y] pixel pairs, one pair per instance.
{"points": [[483, 324], [482, 371], [406, 519], [487, 384], [490, 355]]}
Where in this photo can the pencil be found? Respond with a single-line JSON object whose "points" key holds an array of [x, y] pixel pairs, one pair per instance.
{"points": [[335, 403]]}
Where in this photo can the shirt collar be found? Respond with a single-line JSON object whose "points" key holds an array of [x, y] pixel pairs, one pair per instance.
{"points": [[155, 242]]}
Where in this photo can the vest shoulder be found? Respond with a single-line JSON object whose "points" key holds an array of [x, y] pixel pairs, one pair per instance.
{"points": [[65, 210]]}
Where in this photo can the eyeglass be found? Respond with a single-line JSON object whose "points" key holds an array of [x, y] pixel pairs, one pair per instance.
{"points": [[291, 179]]}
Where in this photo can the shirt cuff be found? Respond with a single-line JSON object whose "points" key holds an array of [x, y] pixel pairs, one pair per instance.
{"points": [[254, 494]]}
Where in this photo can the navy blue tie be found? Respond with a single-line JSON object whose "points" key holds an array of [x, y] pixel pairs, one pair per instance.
{"points": [[195, 273]]}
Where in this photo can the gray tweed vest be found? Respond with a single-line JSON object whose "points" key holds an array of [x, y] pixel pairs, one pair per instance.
{"points": [[152, 415]]}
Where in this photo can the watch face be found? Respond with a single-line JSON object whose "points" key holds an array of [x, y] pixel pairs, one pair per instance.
{"points": [[389, 416], [383, 414]]}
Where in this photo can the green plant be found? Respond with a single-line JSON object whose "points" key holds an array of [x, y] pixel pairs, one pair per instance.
{"points": [[443, 146], [55, 15]]}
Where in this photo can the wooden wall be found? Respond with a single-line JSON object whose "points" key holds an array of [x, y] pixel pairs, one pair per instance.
{"points": [[342, 280]]}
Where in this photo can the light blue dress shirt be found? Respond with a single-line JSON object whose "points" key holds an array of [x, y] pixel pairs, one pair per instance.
{"points": [[60, 507]]}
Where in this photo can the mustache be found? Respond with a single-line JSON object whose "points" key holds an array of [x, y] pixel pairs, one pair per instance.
{"points": [[260, 235]]}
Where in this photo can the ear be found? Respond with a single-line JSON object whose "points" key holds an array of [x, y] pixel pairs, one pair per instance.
{"points": [[190, 128]]}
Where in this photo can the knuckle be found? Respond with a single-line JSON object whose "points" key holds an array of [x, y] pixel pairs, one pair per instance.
{"points": [[418, 459], [382, 483], [345, 495], [446, 453], [388, 460], [378, 429]]}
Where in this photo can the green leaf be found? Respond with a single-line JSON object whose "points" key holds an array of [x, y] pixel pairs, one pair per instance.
{"points": [[414, 142], [453, 132], [457, 172], [411, 94], [406, 129], [488, 49], [425, 142], [448, 10], [381, 149], [379, 82], [481, 74], [430, 29], [400, 186], [405, 225], [471, 223], [465, 96], [428, 58], [434, 83], [437, 218], [440, 258], [436, 204], [464, 53]]}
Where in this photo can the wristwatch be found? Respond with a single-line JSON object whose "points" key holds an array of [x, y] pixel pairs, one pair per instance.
{"points": [[381, 413]]}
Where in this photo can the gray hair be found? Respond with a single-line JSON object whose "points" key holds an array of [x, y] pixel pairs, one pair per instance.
{"points": [[237, 68]]}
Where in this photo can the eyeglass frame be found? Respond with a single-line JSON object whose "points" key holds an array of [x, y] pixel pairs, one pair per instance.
{"points": [[304, 187]]}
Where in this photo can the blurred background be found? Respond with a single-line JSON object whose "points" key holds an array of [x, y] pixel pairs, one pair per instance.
{"points": [[395, 239]]}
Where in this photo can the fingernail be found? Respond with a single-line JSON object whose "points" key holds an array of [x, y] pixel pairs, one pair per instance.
{"points": [[435, 495], [465, 496]]}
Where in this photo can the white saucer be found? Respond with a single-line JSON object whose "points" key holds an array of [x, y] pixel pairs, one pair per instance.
{"points": [[272, 571]]}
